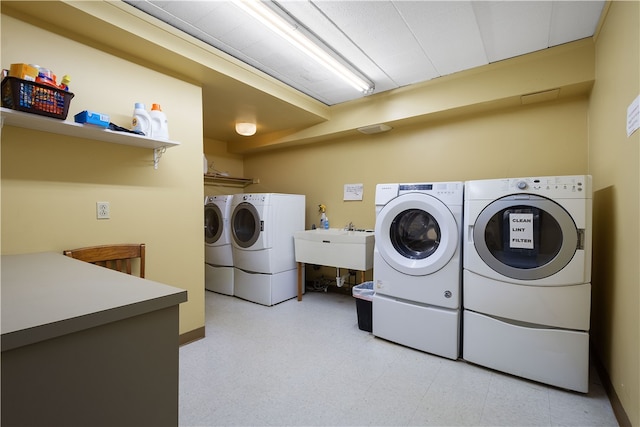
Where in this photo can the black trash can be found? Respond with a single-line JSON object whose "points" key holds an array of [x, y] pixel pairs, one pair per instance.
{"points": [[363, 294]]}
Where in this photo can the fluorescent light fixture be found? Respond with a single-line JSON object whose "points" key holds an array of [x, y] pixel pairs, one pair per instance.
{"points": [[245, 128], [294, 35]]}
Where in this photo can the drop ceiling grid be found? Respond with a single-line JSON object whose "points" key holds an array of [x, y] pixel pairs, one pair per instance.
{"points": [[189, 11], [447, 32], [382, 34], [511, 28], [325, 29], [572, 20], [243, 37], [394, 43]]}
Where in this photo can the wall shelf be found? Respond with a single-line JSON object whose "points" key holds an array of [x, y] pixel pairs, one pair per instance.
{"points": [[63, 127], [228, 181]]}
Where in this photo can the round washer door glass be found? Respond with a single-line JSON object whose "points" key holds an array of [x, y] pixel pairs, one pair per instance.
{"points": [[416, 234], [525, 237], [212, 223], [246, 225]]}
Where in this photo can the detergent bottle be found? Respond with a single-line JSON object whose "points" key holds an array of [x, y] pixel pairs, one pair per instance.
{"points": [[64, 85], [141, 121], [159, 125]]}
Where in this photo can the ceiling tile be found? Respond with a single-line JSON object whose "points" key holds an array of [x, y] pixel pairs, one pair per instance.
{"points": [[447, 32], [513, 28], [573, 20]]}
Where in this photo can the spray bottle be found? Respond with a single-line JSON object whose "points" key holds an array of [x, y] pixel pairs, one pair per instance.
{"points": [[324, 222]]}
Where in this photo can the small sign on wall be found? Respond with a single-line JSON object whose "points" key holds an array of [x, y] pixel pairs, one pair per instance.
{"points": [[633, 116], [353, 191]]}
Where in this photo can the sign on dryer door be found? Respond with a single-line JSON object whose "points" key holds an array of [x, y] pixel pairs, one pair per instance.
{"points": [[521, 234]]}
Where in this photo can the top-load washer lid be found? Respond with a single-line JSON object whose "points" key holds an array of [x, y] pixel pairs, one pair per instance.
{"points": [[526, 237], [213, 223], [416, 234]]}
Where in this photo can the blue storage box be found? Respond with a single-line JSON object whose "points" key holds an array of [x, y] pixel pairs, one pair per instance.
{"points": [[92, 118]]}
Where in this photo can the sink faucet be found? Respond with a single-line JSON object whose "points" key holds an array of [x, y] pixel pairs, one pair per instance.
{"points": [[350, 226]]}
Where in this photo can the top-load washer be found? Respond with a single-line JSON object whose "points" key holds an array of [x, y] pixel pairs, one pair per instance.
{"points": [[218, 254], [526, 278], [417, 265], [262, 228]]}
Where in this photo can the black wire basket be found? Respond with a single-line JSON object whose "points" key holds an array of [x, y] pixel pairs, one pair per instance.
{"points": [[36, 98]]}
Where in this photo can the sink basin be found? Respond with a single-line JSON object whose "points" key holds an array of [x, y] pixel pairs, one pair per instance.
{"points": [[352, 249]]}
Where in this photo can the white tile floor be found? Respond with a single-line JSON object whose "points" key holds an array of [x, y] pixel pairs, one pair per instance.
{"points": [[307, 363]]}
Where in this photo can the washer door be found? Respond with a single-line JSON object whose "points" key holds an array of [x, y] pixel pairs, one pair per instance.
{"points": [[246, 225], [416, 234], [213, 223], [526, 237]]}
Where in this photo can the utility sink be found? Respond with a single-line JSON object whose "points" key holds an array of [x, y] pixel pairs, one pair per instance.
{"points": [[352, 249]]}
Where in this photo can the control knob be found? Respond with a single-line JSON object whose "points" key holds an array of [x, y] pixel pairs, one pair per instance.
{"points": [[521, 185]]}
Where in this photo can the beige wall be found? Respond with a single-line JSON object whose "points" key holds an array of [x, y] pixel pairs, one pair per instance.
{"points": [[538, 139], [51, 183], [614, 161], [221, 161]]}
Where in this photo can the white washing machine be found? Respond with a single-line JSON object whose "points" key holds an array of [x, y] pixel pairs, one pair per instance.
{"points": [[417, 265], [262, 227], [218, 254], [526, 278]]}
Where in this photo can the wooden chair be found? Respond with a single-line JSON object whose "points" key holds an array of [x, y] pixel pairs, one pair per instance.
{"points": [[115, 257]]}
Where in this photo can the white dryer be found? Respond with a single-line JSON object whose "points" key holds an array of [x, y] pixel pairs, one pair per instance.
{"points": [[262, 228], [417, 265], [218, 254], [526, 278]]}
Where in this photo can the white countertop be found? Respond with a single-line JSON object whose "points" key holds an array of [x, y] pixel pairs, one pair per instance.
{"points": [[46, 295]]}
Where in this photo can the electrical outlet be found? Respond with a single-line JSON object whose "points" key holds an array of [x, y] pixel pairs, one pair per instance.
{"points": [[102, 210]]}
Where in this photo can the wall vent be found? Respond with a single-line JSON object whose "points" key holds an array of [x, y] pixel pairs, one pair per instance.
{"points": [[547, 95], [371, 129]]}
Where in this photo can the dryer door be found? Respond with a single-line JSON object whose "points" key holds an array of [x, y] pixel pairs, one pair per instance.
{"points": [[526, 237], [246, 226], [416, 234], [213, 223]]}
